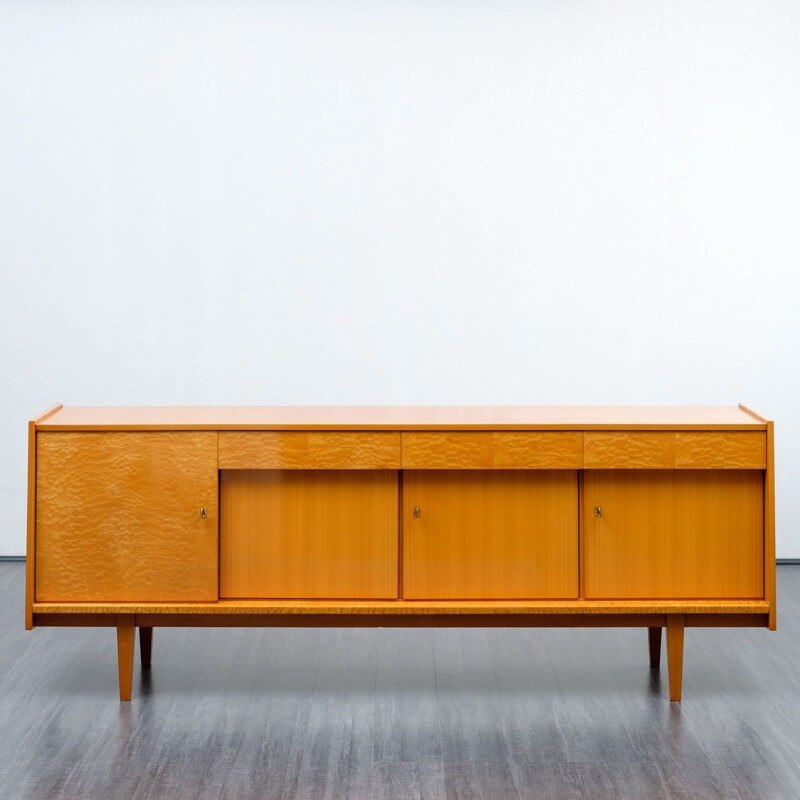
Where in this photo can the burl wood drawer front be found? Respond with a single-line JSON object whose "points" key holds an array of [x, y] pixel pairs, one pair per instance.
{"points": [[118, 516], [490, 534], [308, 533], [674, 534], [309, 450], [675, 450], [493, 450]]}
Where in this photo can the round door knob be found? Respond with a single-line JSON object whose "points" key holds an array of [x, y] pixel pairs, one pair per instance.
{"points": [[598, 512], [417, 511], [203, 513]]}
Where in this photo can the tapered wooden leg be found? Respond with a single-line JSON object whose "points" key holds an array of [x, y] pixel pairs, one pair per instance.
{"points": [[654, 637], [125, 645], [675, 624], [146, 645]]}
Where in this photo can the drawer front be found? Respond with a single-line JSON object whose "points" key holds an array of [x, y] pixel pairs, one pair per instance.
{"points": [[490, 534], [493, 450], [675, 450], [118, 516], [674, 534], [309, 450]]}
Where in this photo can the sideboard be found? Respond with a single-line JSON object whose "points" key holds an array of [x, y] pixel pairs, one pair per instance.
{"points": [[651, 517]]}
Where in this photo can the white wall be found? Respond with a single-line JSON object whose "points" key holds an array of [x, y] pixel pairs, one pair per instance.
{"points": [[399, 201]]}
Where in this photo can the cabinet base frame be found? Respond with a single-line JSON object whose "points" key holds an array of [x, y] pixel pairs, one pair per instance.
{"points": [[126, 625], [401, 620]]}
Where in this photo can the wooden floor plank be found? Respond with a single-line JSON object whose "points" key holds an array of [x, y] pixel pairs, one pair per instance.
{"points": [[398, 713]]}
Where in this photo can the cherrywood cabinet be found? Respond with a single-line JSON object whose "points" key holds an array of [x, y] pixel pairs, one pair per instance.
{"points": [[411, 516]]}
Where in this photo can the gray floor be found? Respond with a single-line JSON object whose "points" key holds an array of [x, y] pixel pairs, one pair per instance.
{"points": [[260, 713]]}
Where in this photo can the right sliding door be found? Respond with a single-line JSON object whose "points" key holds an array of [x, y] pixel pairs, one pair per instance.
{"points": [[673, 533]]}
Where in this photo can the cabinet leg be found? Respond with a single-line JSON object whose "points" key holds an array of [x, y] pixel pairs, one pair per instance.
{"points": [[146, 645], [654, 639], [675, 623], [125, 645]]}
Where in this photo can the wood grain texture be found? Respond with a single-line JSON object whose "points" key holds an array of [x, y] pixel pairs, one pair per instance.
{"points": [[308, 533], [675, 630], [544, 620], [581, 538], [420, 621], [490, 534], [126, 642], [637, 450], [769, 529], [30, 568], [400, 534], [674, 534], [402, 418], [674, 450], [493, 450], [308, 450], [118, 516], [415, 607], [720, 450]]}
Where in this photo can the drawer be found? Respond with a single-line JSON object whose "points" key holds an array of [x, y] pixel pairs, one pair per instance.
{"points": [[675, 450], [308, 450], [493, 450]]}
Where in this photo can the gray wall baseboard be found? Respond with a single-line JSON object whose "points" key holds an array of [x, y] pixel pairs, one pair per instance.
{"points": [[12, 558]]}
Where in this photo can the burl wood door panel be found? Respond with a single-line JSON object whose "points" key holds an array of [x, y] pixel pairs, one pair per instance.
{"points": [[308, 533], [490, 534], [674, 534], [118, 516]]}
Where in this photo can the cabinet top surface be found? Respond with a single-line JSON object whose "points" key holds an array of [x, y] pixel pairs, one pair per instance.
{"points": [[399, 418]]}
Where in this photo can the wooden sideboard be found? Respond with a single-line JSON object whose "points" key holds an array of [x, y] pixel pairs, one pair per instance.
{"points": [[649, 517]]}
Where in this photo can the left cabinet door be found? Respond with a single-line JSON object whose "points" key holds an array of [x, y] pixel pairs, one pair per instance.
{"points": [[126, 516]]}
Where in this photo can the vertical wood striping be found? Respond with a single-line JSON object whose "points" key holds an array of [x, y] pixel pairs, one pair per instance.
{"points": [[769, 527]]}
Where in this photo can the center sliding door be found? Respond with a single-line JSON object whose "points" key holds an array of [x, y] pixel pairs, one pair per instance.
{"points": [[496, 534]]}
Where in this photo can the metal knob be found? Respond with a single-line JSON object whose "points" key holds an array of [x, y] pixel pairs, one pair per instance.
{"points": [[598, 512], [417, 511], [203, 513]]}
